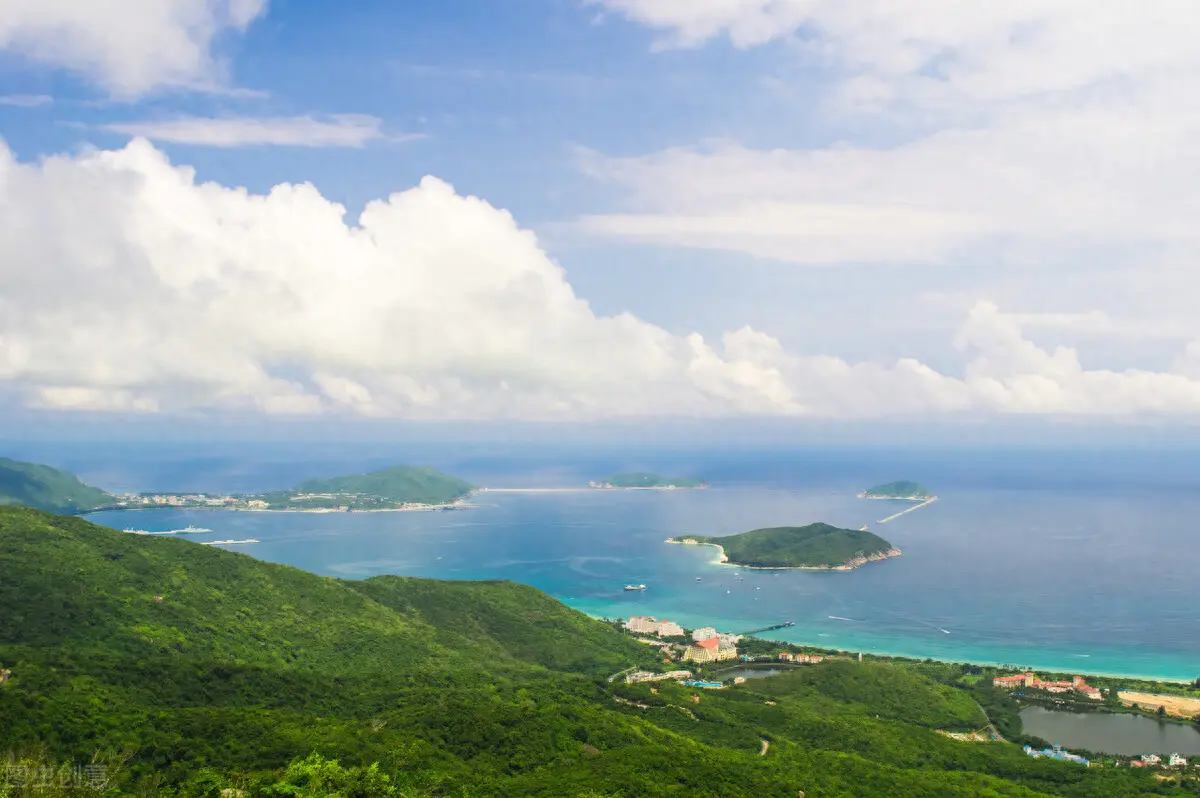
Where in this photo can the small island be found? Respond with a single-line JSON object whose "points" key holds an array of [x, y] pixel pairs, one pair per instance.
{"points": [[901, 490], [816, 547], [640, 480]]}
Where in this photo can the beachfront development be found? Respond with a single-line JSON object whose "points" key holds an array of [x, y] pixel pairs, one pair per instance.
{"points": [[1077, 684]]}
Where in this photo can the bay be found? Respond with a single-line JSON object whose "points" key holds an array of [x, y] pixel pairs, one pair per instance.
{"points": [[1092, 571]]}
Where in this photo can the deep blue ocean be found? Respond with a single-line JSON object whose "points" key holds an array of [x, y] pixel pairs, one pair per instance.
{"points": [[1083, 560]]}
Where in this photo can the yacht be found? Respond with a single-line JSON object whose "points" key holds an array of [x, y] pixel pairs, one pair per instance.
{"points": [[635, 587]]}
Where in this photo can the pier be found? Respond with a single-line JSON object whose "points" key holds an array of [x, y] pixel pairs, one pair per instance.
{"points": [[783, 625], [912, 509]]}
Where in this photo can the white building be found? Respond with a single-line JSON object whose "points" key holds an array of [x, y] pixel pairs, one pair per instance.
{"points": [[729, 640], [670, 629], [704, 634], [1176, 761], [1151, 759], [642, 624]]}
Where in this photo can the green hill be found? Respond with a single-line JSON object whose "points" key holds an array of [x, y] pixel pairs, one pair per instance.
{"points": [[187, 670], [47, 488], [395, 484], [642, 479], [813, 546], [902, 489]]}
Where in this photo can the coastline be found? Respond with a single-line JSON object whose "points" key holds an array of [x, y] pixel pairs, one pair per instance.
{"points": [[849, 565], [414, 508]]}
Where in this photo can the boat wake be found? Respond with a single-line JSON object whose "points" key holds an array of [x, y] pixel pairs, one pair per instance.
{"points": [[840, 618]]}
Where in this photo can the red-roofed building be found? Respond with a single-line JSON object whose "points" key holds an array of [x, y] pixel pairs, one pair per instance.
{"points": [[709, 650], [1076, 684]]}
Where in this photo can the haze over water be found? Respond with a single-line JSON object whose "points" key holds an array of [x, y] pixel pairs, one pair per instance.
{"points": [[1073, 561]]}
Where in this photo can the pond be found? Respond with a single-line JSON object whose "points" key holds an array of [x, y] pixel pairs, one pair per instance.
{"points": [[1110, 733]]}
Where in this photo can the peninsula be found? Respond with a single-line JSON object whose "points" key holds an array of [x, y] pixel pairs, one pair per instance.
{"points": [[640, 480], [901, 490], [49, 489], [819, 547]]}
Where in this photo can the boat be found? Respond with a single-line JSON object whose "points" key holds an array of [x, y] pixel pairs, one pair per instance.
{"points": [[635, 587], [228, 542], [698, 579], [135, 531], [191, 530]]}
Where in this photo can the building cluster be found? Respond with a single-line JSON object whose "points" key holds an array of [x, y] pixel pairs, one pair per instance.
{"points": [[1056, 753], [1154, 760], [1076, 684], [648, 624], [806, 659], [175, 500]]}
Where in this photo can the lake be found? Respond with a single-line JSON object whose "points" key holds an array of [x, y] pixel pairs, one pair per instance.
{"points": [[1112, 734]]}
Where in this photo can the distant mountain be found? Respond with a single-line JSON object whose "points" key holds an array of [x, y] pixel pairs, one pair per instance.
{"points": [[643, 479], [903, 489], [396, 484], [46, 488], [812, 546]]}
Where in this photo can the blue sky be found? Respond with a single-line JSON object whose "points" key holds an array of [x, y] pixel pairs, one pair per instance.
{"points": [[772, 209]]}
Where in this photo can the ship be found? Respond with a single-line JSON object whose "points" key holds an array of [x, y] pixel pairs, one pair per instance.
{"points": [[191, 530], [635, 587]]}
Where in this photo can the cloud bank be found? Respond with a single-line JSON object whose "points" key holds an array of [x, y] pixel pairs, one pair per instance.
{"points": [[338, 130], [128, 47], [127, 286]]}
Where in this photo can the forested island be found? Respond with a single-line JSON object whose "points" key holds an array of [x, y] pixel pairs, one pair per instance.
{"points": [[391, 488], [816, 547], [171, 668], [647, 481], [902, 489]]}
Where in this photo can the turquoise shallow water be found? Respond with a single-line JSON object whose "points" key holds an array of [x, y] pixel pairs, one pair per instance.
{"points": [[1076, 579]]}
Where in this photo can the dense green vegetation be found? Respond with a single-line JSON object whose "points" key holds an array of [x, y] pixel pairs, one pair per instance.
{"points": [[898, 490], [813, 546], [188, 670], [47, 488], [642, 479], [395, 485]]}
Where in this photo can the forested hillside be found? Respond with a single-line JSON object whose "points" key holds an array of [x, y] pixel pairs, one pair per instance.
{"points": [[187, 670]]}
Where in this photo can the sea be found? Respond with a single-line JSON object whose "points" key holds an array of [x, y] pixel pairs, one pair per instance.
{"points": [[1079, 559]]}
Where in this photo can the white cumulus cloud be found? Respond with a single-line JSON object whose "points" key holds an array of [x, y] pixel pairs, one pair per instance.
{"points": [[128, 286], [128, 47]]}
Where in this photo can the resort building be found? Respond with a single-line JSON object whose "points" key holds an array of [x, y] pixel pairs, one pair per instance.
{"points": [[709, 650], [1077, 684], [1151, 759], [1176, 761], [647, 676], [670, 629], [806, 659], [704, 634], [642, 624]]}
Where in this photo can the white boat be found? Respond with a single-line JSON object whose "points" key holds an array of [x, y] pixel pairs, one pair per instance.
{"points": [[136, 531], [191, 530], [635, 587], [227, 542]]}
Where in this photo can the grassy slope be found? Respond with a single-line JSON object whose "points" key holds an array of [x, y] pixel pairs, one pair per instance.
{"points": [[812, 545], [47, 488], [398, 483], [455, 688]]}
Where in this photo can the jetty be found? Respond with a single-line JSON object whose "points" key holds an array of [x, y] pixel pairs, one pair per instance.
{"points": [[772, 628], [912, 509]]}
